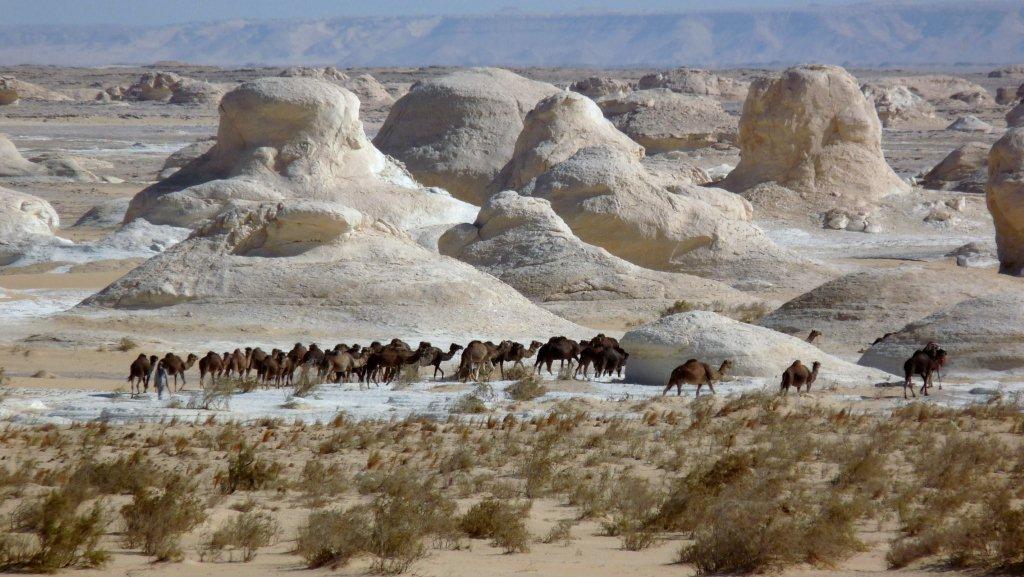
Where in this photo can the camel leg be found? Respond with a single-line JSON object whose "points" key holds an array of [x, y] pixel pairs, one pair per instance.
{"points": [[699, 385], [668, 388], [712, 387]]}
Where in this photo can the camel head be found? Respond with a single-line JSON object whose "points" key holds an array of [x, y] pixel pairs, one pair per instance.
{"points": [[152, 358], [815, 366], [454, 347], [940, 357], [425, 345], [724, 368], [815, 333], [534, 345]]}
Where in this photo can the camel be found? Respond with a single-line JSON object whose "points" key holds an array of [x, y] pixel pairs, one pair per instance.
{"points": [[175, 366], [923, 363], [139, 373], [516, 354], [477, 354], [342, 363], [813, 335], [557, 349], [388, 361], [213, 364], [694, 372], [256, 358], [434, 356], [798, 375], [237, 362]]}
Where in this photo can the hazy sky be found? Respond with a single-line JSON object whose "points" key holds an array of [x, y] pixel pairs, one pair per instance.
{"points": [[20, 12]]}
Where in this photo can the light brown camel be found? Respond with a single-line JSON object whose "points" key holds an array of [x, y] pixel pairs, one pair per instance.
{"points": [[923, 363], [798, 375], [175, 367], [237, 363], [433, 357], [694, 372], [256, 357], [139, 373], [212, 364], [516, 353], [477, 354]]}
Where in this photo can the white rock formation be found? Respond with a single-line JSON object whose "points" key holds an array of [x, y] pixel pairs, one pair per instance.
{"points": [[942, 90], [970, 123], [313, 268], [662, 120], [170, 87], [856, 309], [552, 132], [657, 348], [982, 334], [371, 93], [12, 90], [965, 169], [457, 131], [525, 244], [898, 106], [1005, 198], [12, 164], [597, 87], [811, 130], [294, 138], [25, 220], [695, 81]]}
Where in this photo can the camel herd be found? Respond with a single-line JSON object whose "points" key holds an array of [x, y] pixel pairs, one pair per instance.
{"points": [[377, 362]]}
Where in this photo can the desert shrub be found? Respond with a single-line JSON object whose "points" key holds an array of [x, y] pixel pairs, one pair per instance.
{"points": [[633, 502], [501, 521], [156, 519], [121, 476], [4, 379], [126, 344], [54, 535], [537, 468], [561, 532], [469, 404], [392, 527], [461, 459], [246, 472], [685, 508], [526, 389], [215, 396], [304, 386], [318, 481], [408, 375], [246, 533], [333, 538], [592, 497]]}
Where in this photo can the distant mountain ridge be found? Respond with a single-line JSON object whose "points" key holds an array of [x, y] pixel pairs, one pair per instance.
{"points": [[874, 34]]}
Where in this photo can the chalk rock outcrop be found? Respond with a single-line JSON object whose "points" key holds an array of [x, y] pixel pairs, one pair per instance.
{"points": [[13, 90], [657, 348], [525, 244], [662, 120], [170, 87], [898, 106], [458, 131], [597, 87], [552, 132], [1005, 198], [986, 334], [371, 93], [12, 164], [813, 131], [294, 138], [695, 81], [25, 220], [945, 91], [310, 267], [185, 155], [970, 123], [856, 309], [1011, 71], [965, 169]]}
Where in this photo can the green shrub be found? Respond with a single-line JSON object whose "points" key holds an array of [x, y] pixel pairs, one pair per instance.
{"points": [[245, 533], [246, 472], [55, 535], [156, 519]]}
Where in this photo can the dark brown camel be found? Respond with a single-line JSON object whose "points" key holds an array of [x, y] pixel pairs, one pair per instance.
{"points": [[212, 364], [256, 357], [557, 349], [813, 335], [516, 353], [433, 357], [923, 363], [175, 367], [139, 373], [694, 372], [389, 360], [798, 375]]}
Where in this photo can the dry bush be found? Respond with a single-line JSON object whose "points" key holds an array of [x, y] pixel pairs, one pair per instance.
{"points": [[469, 404], [333, 538], [156, 519], [304, 386], [747, 313], [246, 472], [319, 482], [54, 535], [215, 396], [591, 497], [561, 532], [526, 389], [126, 344], [634, 501], [501, 521], [4, 379], [122, 476], [246, 534]]}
